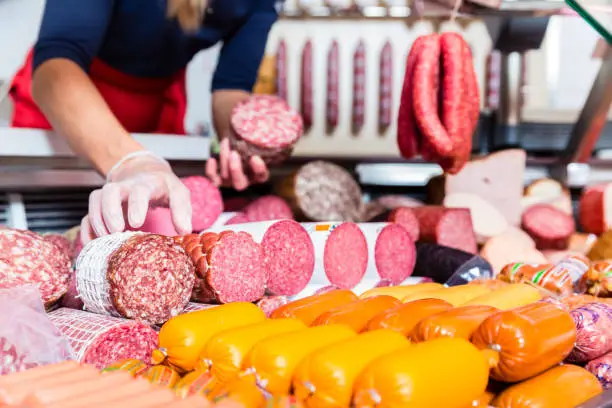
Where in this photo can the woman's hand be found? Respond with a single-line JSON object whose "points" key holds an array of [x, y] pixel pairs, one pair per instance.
{"points": [[228, 170]]}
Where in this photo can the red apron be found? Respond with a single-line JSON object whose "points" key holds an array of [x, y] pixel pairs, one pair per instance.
{"points": [[142, 105]]}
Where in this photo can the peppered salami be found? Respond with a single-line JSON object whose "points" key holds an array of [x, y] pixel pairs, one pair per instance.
{"points": [[341, 253], [229, 266], [265, 126], [270, 303], [451, 227], [102, 340], [333, 85], [288, 253], [139, 276], [593, 332], [206, 202], [385, 90], [323, 191], [549, 227], [602, 369], [27, 258], [268, 208]]}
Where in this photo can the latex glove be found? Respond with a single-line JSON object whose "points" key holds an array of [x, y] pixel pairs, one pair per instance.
{"points": [[228, 170], [138, 180]]}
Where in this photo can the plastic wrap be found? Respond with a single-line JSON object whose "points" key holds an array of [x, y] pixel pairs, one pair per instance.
{"points": [[602, 369], [27, 337], [597, 281], [593, 332]]}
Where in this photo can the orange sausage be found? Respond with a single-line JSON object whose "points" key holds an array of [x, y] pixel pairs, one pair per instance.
{"points": [[403, 318], [357, 314], [564, 386], [309, 308], [42, 397], [459, 322], [525, 341], [483, 401]]}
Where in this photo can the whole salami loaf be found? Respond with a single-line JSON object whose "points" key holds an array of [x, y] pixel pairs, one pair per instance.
{"points": [[28, 258], [602, 369], [102, 340], [593, 332], [229, 266], [265, 126], [139, 276], [323, 191]]}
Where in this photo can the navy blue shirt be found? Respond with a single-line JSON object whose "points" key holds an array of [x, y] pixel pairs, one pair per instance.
{"points": [[136, 38]]}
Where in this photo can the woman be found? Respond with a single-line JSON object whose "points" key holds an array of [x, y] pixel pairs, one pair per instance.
{"points": [[101, 69]]}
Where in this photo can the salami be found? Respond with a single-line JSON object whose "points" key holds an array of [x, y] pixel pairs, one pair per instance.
{"points": [[402, 216], [593, 208], [71, 299], [265, 126], [27, 258], [102, 340], [488, 222], [451, 227], [158, 221], [306, 94], [359, 88], [268, 208], [385, 90], [548, 191], [229, 266], [206, 202], [549, 227], [139, 276], [602, 369], [238, 218], [288, 254], [332, 243], [594, 332], [270, 303], [333, 85], [323, 191], [281, 70], [61, 242]]}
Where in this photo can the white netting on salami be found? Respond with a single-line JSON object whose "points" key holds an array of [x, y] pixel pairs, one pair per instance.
{"points": [[91, 267], [194, 307], [102, 340]]}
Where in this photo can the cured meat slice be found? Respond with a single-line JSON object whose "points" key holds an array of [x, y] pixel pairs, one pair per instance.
{"points": [[268, 208], [265, 126], [139, 276], [288, 254], [549, 227], [102, 340], [341, 253], [593, 210], [206, 202], [402, 216], [451, 227], [229, 266], [62, 242], [593, 327], [323, 191], [270, 303], [27, 258], [487, 220]]}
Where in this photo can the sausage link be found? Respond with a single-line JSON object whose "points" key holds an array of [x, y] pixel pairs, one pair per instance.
{"points": [[385, 90], [359, 87], [306, 96], [333, 83], [281, 71]]}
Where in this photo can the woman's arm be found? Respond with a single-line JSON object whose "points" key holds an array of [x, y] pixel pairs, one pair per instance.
{"points": [[69, 38]]}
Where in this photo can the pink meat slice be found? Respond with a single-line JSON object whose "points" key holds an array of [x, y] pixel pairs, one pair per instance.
{"points": [[268, 208], [406, 217], [206, 201], [394, 254], [345, 257], [549, 227], [451, 227]]}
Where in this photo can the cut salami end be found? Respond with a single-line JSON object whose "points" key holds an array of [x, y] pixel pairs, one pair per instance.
{"points": [[394, 254], [61, 242], [550, 227], [268, 208], [488, 221], [102, 340], [451, 227], [594, 214], [406, 218], [346, 255], [206, 201]]}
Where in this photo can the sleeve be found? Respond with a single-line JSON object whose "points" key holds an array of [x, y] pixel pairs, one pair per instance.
{"points": [[243, 51], [72, 30]]}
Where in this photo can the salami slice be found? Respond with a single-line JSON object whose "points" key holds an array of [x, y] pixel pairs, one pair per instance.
{"points": [[323, 191], [268, 208], [139, 276], [27, 258], [102, 340], [549, 227], [288, 253], [229, 266], [265, 126], [451, 227], [206, 202], [488, 221], [270, 303], [593, 209], [341, 253], [402, 216], [63, 243]]}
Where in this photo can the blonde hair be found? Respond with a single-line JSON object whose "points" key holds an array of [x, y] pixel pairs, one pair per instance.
{"points": [[189, 13]]}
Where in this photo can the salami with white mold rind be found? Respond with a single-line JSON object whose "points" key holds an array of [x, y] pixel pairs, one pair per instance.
{"points": [[139, 276]]}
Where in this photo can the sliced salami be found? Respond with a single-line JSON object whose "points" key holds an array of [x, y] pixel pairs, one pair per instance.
{"points": [[270, 303], [27, 258], [229, 266], [139, 276], [402, 216], [549, 227], [62, 242], [451, 227], [206, 202], [265, 126], [102, 340], [268, 208], [595, 209], [288, 253], [323, 191]]}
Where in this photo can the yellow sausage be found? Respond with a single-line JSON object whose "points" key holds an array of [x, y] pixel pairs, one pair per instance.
{"points": [[357, 314], [411, 377], [274, 359], [224, 352], [325, 378], [400, 292], [508, 297], [458, 322], [456, 295], [182, 338]]}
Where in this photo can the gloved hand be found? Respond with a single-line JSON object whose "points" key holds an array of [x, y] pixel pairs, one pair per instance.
{"points": [[138, 180]]}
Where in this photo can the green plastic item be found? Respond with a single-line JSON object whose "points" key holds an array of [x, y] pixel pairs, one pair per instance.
{"points": [[595, 14]]}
